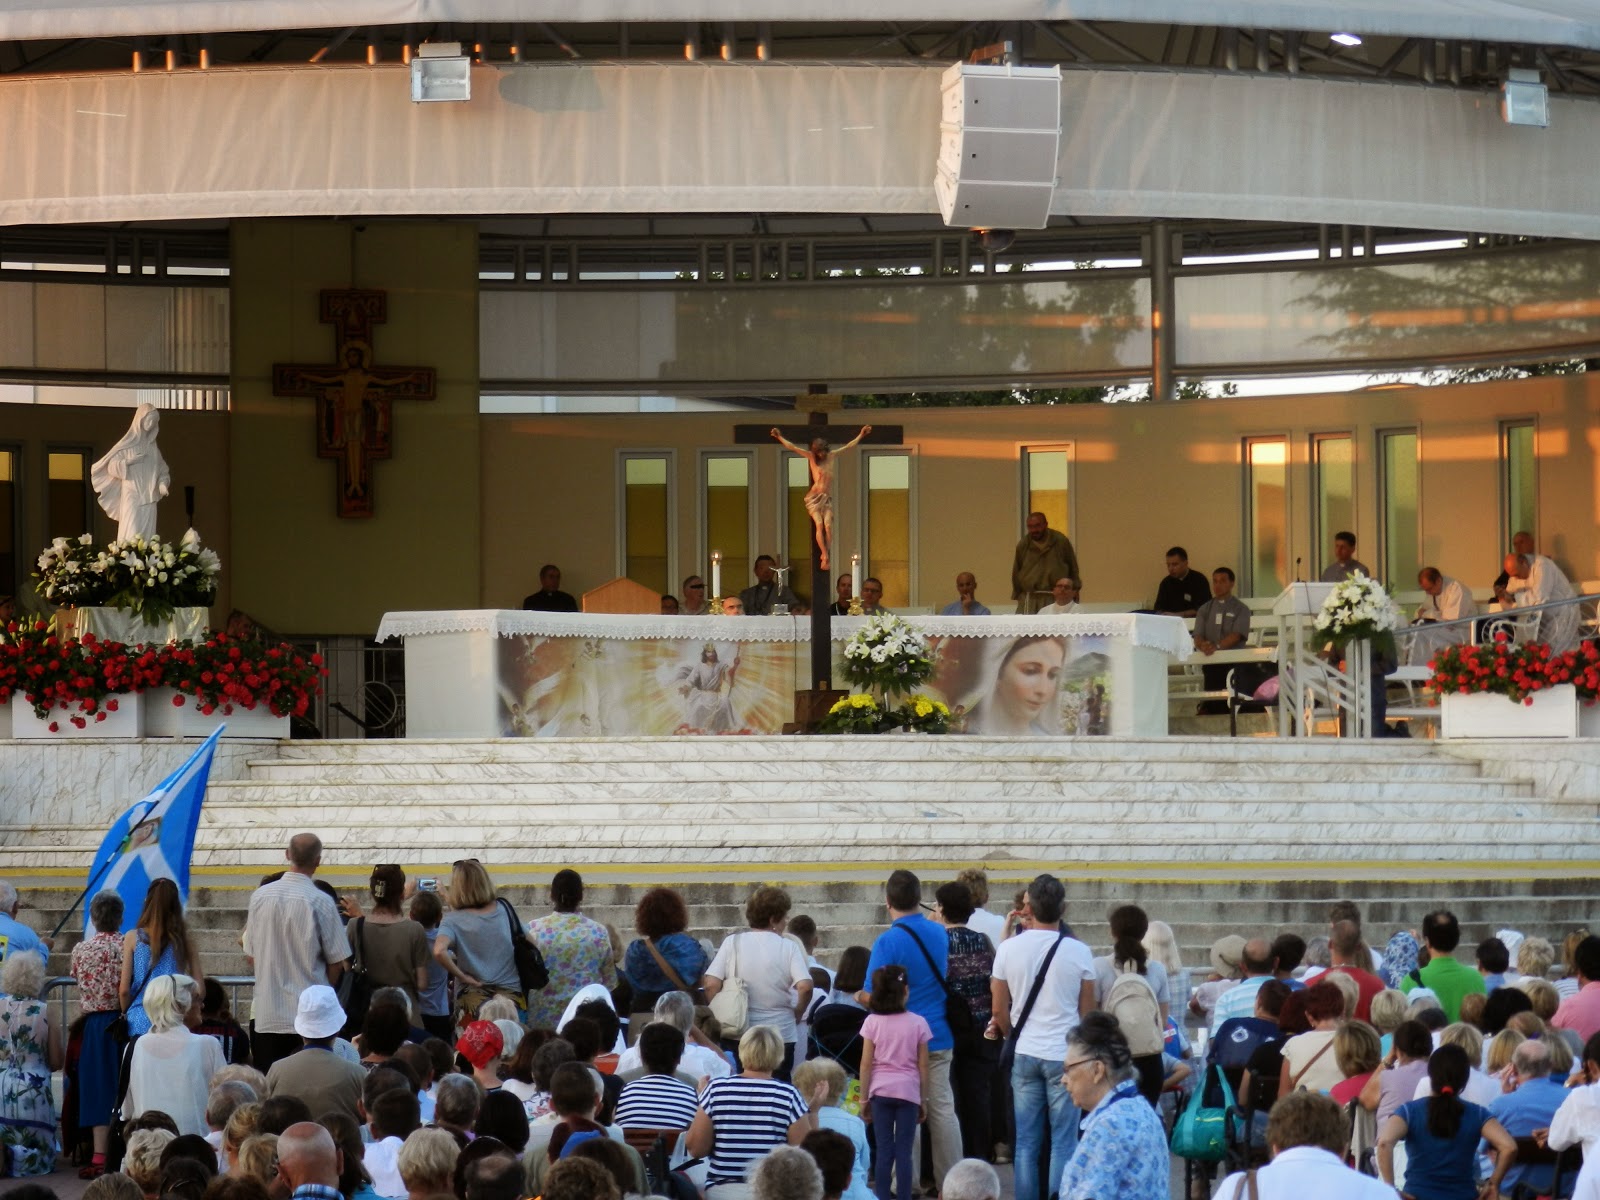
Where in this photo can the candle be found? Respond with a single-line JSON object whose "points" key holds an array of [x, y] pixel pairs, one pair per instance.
{"points": [[855, 577], [716, 572]]}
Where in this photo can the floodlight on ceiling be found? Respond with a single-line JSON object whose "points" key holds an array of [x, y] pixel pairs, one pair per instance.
{"points": [[1524, 99], [440, 72], [1345, 39]]}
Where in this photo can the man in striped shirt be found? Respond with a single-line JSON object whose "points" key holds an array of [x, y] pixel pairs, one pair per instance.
{"points": [[658, 1099], [295, 939]]}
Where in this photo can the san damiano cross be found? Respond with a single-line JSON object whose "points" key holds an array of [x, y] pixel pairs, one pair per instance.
{"points": [[354, 416]]}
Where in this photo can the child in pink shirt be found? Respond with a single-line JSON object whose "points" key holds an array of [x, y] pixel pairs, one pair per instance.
{"points": [[894, 1078]]}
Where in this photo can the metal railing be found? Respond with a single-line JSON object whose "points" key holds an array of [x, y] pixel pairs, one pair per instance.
{"points": [[1514, 622], [65, 997]]}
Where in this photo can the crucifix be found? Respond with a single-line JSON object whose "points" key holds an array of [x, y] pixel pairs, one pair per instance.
{"points": [[816, 402], [353, 397]]}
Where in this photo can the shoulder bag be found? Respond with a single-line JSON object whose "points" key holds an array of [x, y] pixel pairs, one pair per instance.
{"points": [[531, 972], [1247, 1181], [1008, 1052], [1201, 1131], [355, 987], [731, 1005], [696, 993], [957, 1012]]}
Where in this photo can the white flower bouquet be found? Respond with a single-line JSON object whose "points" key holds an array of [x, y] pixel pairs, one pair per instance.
{"points": [[149, 577], [1358, 610], [70, 573], [888, 655]]}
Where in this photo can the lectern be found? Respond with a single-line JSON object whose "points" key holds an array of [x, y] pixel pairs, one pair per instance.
{"points": [[1301, 673]]}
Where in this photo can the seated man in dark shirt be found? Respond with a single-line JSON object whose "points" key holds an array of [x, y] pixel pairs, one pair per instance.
{"points": [[1183, 591], [550, 597]]}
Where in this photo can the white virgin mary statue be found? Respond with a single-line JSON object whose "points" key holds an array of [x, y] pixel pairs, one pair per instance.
{"points": [[133, 477]]}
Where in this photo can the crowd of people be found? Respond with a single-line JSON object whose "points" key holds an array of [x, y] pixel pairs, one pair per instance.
{"points": [[428, 1040]]}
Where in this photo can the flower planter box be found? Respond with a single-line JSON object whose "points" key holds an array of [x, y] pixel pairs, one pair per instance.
{"points": [[1588, 720], [163, 718], [1553, 714], [126, 722]]}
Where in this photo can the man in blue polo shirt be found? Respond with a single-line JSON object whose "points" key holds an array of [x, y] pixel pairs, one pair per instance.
{"points": [[898, 946], [1532, 1106], [15, 937]]}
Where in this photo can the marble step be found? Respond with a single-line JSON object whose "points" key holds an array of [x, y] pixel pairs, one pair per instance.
{"points": [[844, 749], [753, 775], [871, 843], [784, 792], [904, 824]]}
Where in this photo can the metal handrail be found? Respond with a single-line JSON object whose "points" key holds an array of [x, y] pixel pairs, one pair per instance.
{"points": [[64, 984], [1510, 615]]}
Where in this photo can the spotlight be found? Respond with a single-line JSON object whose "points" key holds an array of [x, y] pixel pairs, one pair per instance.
{"points": [[995, 241], [1345, 39], [440, 72], [1524, 100]]}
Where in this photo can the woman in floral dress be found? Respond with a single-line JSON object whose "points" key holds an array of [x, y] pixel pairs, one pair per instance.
{"points": [[158, 945], [30, 1049], [577, 951], [97, 966]]}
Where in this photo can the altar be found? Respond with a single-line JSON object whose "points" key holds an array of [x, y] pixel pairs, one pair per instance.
{"points": [[488, 673]]}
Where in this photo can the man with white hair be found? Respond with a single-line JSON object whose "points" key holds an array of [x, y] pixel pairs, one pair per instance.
{"points": [[970, 1179], [700, 1057], [309, 1163], [14, 935], [1531, 1105], [1533, 579]]}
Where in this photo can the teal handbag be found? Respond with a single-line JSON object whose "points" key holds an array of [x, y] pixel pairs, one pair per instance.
{"points": [[1201, 1132]]}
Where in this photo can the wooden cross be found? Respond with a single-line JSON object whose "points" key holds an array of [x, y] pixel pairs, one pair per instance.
{"points": [[354, 418], [818, 401]]}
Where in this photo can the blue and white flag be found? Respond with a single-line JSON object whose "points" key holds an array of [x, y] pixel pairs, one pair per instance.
{"points": [[154, 839]]}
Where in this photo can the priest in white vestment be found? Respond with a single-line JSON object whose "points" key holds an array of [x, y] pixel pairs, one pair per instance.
{"points": [[1535, 579], [1446, 600]]}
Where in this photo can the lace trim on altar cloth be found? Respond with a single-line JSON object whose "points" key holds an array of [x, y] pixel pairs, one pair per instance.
{"points": [[1168, 634]]}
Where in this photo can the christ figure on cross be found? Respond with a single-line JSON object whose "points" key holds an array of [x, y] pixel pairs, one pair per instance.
{"points": [[819, 500]]}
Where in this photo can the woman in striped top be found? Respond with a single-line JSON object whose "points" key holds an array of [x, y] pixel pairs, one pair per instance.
{"points": [[744, 1116]]}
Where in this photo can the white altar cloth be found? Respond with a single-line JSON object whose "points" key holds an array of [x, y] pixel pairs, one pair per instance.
{"points": [[1167, 634], [508, 673]]}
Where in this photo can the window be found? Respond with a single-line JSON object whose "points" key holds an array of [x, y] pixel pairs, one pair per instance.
{"points": [[1334, 481], [1519, 481], [888, 548], [1399, 501], [1045, 471], [727, 521], [798, 544], [67, 494], [647, 520], [1266, 531], [10, 522]]}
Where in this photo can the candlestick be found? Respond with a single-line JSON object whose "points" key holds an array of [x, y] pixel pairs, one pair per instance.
{"points": [[716, 572], [855, 577]]}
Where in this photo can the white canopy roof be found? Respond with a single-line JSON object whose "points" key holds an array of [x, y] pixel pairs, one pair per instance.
{"points": [[1546, 22]]}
